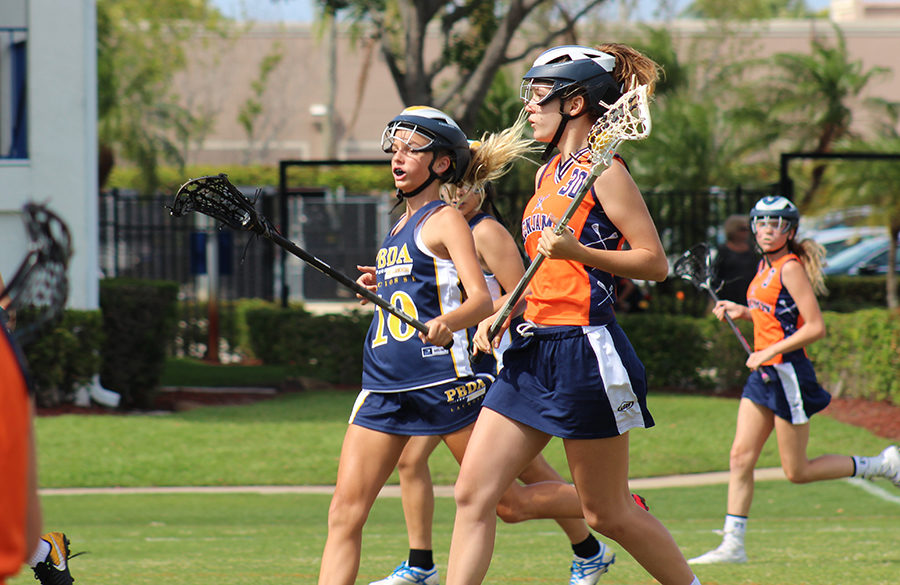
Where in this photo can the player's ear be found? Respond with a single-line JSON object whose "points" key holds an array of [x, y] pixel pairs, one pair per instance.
{"points": [[575, 105], [441, 163]]}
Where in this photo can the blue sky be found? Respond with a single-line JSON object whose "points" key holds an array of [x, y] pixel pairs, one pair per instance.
{"points": [[302, 10]]}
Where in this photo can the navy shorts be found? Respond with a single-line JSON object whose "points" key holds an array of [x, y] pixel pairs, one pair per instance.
{"points": [[436, 410], [573, 382], [792, 392]]}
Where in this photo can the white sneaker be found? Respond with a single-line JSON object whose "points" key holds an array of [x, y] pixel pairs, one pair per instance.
{"points": [[406, 575], [588, 571], [890, 465], [727, 552]]}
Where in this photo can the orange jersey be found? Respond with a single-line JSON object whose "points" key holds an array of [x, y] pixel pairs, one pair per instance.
{"points": [[564, 292], [14, 435], [773, 310]]}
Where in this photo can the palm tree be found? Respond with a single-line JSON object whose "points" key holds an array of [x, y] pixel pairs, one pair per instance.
{"points": [[811, 97]]}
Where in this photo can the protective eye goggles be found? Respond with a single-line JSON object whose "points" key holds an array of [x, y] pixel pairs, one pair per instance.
{"points": [[537, 91], [414, 137], [455, 195], [779, 224]]}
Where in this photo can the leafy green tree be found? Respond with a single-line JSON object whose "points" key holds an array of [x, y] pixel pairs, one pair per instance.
{"points": [[140, 46], [811, 99], [475, 43], [251, 109], [696, 142], [748, 9]]}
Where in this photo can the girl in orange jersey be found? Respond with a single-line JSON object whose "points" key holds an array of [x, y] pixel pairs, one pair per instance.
{"points": [[782, 304], [573, 373]]}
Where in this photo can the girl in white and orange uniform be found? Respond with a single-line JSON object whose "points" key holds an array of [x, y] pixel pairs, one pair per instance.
{"points": [[573, 373], [782, 392]]}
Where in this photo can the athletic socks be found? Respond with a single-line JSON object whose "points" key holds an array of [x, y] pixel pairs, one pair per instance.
{"points": [[421, 558], [735, 528], [40, 553], [865, 467], [587, 548]]}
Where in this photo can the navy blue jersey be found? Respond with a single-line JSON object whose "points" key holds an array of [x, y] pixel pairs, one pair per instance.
{"points": [[424, 286]]}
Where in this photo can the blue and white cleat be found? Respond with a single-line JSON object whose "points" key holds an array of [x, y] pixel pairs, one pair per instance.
{"points": [[588, 571], [406, 575]]}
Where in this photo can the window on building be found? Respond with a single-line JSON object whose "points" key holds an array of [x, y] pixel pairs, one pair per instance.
{"points": [[13, 92]]}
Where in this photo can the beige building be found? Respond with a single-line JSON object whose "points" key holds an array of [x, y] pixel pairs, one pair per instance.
{"points": [[293, 123]]}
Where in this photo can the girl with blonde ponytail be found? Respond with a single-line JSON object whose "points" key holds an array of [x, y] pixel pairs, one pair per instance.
{"points": [[781, 302]]}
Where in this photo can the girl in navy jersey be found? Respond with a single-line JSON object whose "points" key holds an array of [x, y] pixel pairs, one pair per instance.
{"points": [[786, 318], [411, 384], [572, 373], [502, 265]]}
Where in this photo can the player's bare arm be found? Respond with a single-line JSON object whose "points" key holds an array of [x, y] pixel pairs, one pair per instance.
{"points": [[447, 234], [622, 202]]}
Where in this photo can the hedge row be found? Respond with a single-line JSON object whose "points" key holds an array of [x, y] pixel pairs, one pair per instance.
{"points": [[125, 342], [860, 357]]}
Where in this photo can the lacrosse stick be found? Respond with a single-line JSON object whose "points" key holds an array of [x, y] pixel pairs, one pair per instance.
{"points": [[627, 119], [218, 198], [39, 288], [695, 265]]}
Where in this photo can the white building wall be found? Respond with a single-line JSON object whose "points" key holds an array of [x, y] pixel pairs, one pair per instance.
{"points": [[61, 168]]}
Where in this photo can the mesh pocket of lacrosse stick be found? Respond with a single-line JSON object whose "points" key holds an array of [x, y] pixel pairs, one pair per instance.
{"points": [[627, 119], [40, 286], [216, 197], [694, 265]]}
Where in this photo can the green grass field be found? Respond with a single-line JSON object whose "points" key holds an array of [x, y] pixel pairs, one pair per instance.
{"points": [[826, 533]]}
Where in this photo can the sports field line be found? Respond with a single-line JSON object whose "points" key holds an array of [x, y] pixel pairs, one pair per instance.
{"points": [[393, 491]]}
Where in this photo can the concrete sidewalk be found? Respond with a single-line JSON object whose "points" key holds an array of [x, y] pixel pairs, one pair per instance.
{"points": [[393, 491]]}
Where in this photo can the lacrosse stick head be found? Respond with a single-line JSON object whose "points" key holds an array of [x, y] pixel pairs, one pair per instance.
{"points": [[694, 265], [627, 119], [40, 286], [215, 196]]}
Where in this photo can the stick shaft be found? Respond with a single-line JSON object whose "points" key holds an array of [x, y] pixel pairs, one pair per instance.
{"points": [[517, 292], [728, 318], [342, 278], [737, 332]]}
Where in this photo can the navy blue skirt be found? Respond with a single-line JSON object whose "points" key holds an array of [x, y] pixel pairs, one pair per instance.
{"points": [[573, 382], [792, 392], [436, 410]]}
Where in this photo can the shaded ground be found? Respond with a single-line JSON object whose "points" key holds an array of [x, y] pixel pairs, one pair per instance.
{"points": [[881, 418]]}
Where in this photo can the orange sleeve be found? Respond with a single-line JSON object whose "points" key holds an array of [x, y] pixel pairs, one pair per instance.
{"points": [[14, 435]]}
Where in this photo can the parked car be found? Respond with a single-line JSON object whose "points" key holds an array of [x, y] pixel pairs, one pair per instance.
{"points": [[867, 257], [838, 239]]}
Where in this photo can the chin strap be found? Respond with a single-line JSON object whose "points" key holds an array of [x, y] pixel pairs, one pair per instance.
{"points": [[406, 194], [432, 176], [559, 130]]}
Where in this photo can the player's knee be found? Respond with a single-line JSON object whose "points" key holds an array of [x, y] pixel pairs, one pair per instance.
{"points": [[510, 511], [740, 459], [606, 522], [797, 474], [345, 515]]}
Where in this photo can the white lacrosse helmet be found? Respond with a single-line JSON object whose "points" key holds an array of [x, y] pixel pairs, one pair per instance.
{"points": [[775, 207], [441, 132], [569, 68]]}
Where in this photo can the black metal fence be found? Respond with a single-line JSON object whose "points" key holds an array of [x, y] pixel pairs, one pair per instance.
{"points": [[139, 239]]}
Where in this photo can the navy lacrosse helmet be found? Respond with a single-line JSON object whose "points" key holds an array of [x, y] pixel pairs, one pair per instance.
{"points": [[441, 132], [775, 207], [571, 68]]}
